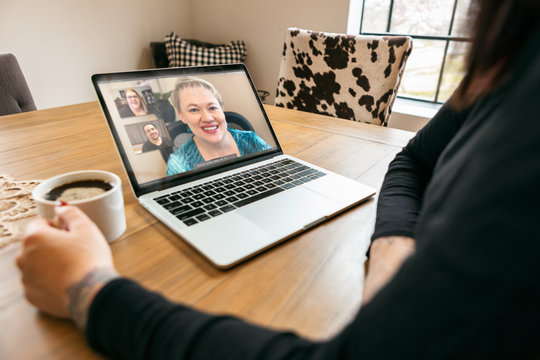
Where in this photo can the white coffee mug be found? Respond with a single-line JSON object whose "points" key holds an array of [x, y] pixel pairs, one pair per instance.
{"points": [[105, 209]]}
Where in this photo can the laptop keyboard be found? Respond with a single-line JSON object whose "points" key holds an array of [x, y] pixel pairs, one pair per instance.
{"points": [[211, 199]]}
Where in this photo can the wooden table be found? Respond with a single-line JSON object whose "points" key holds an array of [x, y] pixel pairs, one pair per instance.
{"points": [[311, 284]]}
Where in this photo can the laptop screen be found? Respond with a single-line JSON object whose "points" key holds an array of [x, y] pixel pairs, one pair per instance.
{"points": [[174, 125]]}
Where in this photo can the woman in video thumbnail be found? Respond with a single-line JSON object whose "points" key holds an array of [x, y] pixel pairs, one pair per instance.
{"points": [[200, 107], [136, 106]]}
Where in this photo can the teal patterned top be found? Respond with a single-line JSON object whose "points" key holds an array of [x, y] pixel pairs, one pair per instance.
{"points": [[187, 156]]}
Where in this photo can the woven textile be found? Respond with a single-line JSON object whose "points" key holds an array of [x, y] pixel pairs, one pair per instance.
{"points": [[16, 208], [187, 53], [352, 77]]}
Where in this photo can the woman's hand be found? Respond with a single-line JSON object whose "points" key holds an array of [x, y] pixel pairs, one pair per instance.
{"points": [[53, 260], [387, 254]]}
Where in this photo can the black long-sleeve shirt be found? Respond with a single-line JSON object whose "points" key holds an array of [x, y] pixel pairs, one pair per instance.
{"points": [[467, 188]]}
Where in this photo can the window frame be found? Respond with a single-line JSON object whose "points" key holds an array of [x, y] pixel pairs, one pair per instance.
{"points": [[446, 38]]}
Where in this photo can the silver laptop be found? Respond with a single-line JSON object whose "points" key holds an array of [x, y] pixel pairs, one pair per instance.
{"points": [[231, 206]]}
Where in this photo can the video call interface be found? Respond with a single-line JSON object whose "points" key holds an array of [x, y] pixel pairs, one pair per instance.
{"points": [[159, 140]]}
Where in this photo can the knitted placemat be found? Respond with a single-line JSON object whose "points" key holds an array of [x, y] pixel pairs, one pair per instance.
{"points": [[16, 208]]}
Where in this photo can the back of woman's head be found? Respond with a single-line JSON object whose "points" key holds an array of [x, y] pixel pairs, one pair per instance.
{"points": [[500, 31], [192, 82]]}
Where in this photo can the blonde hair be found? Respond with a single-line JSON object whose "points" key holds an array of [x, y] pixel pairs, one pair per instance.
{"points": [[192, 82]]}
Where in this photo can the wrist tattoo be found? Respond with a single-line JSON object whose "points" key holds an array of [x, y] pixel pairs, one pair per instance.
{"points": [[78, 293]]}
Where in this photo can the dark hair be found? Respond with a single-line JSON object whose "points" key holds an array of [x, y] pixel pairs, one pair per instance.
{"points": [[149, 123], [500, 31]]}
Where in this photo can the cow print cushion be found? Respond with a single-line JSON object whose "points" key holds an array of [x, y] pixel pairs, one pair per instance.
{"points": [[345, 76]]}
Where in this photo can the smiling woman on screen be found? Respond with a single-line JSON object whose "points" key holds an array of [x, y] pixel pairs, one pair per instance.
{"points": [[200, 107]]}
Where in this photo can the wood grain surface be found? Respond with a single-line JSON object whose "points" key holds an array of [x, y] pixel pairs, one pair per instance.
{"points": [[310, 284]]}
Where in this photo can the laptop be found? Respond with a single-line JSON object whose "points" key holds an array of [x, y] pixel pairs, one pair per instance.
{"points": [[230, 207]]}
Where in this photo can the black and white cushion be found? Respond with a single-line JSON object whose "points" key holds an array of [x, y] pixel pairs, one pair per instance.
{"points": [[346, 76], [189, 53]]}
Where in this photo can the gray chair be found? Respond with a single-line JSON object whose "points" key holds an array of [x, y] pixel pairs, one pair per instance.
{"points": [[15, 96]]}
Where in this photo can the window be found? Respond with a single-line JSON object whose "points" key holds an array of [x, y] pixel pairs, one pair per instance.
{"points": [[436, 64]]}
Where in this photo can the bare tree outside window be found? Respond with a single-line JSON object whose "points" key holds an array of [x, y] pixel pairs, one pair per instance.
{"points": [[436, 64]]}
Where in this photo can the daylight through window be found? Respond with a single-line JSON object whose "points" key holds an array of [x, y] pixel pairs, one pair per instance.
{"points": [[438, 27]]}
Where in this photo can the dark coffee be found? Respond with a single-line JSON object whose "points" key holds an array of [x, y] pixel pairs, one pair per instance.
{"points": [[78, 190]]}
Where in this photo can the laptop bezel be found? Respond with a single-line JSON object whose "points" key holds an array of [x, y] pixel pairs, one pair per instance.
{"points": [[178, 179]]}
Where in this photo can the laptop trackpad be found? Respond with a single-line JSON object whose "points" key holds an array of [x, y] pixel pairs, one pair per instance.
{"points": [[289, 211]]}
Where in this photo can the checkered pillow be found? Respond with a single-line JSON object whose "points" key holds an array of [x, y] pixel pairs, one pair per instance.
{"points": [[190, 53]]}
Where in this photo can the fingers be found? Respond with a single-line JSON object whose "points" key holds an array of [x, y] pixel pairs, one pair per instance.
{"points": [[36, 225], [78, 225], [36, 229], [72, 217], [19, 261]]}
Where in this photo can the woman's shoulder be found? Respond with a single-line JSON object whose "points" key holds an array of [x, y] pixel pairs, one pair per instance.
{"points": [[244, 135], [241, 133], [183, 158], [248, 141], [185, 151], [189, 143], [125, 111]]}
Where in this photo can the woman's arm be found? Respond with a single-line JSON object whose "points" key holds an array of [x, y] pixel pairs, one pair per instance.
{"points": [[387, 255], [129, 322], [121, 319], [401, 196]]}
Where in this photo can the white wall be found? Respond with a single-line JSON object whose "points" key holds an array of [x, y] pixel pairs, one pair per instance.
{"points": [[61, 43], [262, 25]]}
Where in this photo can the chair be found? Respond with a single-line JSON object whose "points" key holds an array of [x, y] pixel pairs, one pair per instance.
{"points": [[159, 51], [237, 121], [15, 96], [346, 76]]}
